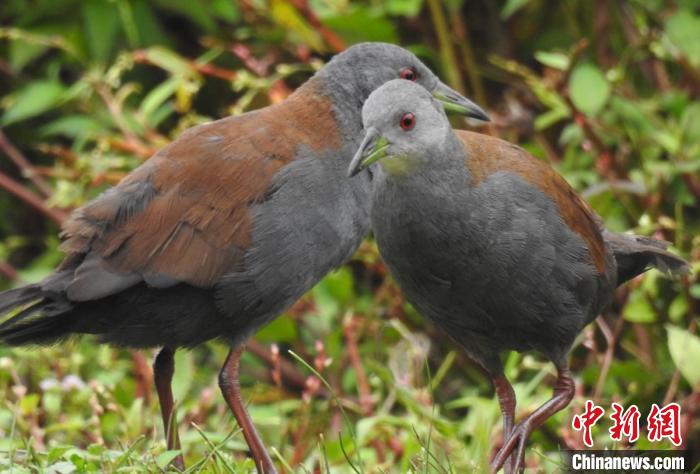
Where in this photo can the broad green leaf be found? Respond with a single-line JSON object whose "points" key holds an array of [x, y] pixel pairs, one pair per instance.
{"points": [[71, 126], [678, 309], [409, 8], [143, 23], [33, 99], [668, 140], [22, 53], [164, 458], [361, 24], [588, 88], [225, 9], [339, 285], [182, 379], [553, 59], [197, 12], [551, 117], [682, 29], [29, 403], [691, 124], [685, 352], [100, 23], [282, 329], [638, 309]]}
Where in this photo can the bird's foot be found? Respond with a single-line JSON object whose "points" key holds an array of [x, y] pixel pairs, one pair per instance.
{"points": [[518, 438]]}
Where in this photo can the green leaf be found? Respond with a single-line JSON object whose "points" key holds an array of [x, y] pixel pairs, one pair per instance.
{"points": [[163, 459], [182, 379], [685, 352], [553, 59], [682, 29], [361, 24], [691, 123], [282, 329], [196, 12], [588, 88], [408, 8], [71, 126], [22, 53], [678, 308], [29, 403], [551, 117], [638, 309], [157, 97], [511, 7], [100, 23], [168, 60], [33, 99]]}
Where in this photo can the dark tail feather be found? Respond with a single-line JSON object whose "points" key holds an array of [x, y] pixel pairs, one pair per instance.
{"points": [[44, 316], [636, 254], [11, 299]]}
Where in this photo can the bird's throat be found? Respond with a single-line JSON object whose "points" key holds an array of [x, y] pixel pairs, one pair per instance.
{"points": [[399, 165]]}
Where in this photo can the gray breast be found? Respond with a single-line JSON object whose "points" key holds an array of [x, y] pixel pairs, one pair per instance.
{"points": [[495, 265], [312, 222]]}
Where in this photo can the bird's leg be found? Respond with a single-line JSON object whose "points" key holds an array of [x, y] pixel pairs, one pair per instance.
{"points": [[563, 393], [163, 369], [228, 382], [506, 399]]}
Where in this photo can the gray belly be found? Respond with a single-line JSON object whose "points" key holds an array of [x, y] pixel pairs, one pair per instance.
{"points": [[495, 267]]}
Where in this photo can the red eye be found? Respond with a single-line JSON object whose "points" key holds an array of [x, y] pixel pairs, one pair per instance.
{"points": [[408, 73], [408, 120]]}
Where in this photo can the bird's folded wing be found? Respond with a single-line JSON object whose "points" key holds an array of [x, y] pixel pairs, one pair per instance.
{"points": [[181, 217], [487, 155]]}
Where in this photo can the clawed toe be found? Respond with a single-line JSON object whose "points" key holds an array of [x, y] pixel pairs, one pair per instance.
{"points": [[518, 437]]}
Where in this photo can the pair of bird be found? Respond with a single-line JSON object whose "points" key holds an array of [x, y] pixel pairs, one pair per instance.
{"points": [[226, 227]]}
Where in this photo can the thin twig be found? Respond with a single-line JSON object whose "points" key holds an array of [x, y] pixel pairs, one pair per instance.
{"points": [[610, 336], [207, 69], [24, 164], [350, 334], [31, 198], [331, 38], [288, 371]]}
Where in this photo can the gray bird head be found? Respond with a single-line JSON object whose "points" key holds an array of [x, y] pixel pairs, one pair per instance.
{"points": [[363, 67], [404, 128]]}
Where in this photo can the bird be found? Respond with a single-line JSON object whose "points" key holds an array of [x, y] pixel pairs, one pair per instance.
{"points": [[221, 230], [490, 244]]}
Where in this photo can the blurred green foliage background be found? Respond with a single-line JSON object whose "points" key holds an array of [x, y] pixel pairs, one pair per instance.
{"points": [[605, 91]]}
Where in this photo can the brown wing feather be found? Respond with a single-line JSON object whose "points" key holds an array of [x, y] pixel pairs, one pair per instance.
{"points": [[184, 213], [488, 155]]}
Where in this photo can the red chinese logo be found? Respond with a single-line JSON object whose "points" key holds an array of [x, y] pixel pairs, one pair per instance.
{"points": [[625, 422], [661, 423], [586, 420], [665, 423]]}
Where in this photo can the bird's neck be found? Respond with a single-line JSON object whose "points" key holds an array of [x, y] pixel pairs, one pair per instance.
{"points": [[347, 95], [440, 162]]}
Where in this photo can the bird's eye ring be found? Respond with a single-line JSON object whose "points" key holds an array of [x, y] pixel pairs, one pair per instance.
{"points": [[408, 121], [408, 73]]}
